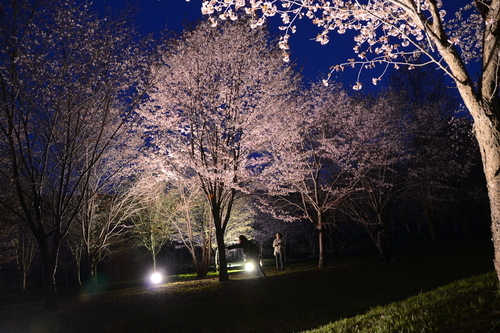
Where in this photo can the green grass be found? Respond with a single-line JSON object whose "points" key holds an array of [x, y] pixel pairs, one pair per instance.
{"points": [[468, 305], [449, 289]]}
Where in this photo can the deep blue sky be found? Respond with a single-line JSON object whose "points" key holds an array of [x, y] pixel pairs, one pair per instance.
{"points": [[314, 59]]}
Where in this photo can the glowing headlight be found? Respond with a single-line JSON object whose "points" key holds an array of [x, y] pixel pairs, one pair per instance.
{"points": [[249, 267], [156, 278]]}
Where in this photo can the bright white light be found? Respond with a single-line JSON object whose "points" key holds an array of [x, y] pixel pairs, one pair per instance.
{"points": [[156, 278], [249, 267]]}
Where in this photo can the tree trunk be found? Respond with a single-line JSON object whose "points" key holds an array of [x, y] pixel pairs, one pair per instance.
{"points": [[51, 297], [483, 103], [494, 194], [93, 273], [330, 229], [219, 235], [321, 240], [204, 263], [49, 281], [431, 221], [153, 254], [488, 135], [79, 272], [25, 279], [92, 269], [487, 120], [486, 114], [216, 260]]}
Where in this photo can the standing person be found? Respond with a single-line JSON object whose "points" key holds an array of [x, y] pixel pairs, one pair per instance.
{"points": [[279, 251], [250, 250]]}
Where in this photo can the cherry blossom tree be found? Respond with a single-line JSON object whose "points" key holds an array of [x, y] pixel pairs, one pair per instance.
{"points": [[385, 177], [393, 32], [317, 164], [216, 94], [68, 82]]}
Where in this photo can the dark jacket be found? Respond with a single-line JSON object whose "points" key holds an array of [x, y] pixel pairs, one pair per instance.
{"points": [[249, 249]]}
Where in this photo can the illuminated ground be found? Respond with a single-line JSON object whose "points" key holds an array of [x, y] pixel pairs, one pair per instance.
{"points": [[302, 297]]}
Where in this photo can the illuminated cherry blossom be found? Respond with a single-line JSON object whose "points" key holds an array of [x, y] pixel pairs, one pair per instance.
{"points": [[400, 31], [215, 106]]}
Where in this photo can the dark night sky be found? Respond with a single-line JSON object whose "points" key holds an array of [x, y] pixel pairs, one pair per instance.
{"points": [[313, 58]]}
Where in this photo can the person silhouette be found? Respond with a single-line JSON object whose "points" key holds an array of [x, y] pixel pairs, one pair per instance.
{"points": [[250, 250]]}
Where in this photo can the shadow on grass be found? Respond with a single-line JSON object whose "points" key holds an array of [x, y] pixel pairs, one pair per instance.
{"points": [[300, 298]]}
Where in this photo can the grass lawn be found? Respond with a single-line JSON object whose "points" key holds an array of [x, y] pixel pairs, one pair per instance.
{"points": [[447, 289]]}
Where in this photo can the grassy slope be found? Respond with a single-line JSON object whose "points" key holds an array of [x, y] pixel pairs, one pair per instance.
{"points": [[465, 306], [301, 298]]}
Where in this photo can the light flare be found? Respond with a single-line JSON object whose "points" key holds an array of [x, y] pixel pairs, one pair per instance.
{"points": [[249, 266], [156, 278]]}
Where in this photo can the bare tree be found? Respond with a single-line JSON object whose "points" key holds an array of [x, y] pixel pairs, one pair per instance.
{"points": [[69, 79], [150, 230], [113, 194], [215, 97], [189, 214], [26, 249], [105, 218], [242, 219], [392, 32], [76, 245]]}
